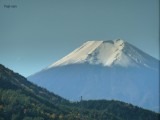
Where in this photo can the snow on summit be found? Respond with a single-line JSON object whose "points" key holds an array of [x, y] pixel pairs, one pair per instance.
{"points": [[106, 53], [94, 52]]}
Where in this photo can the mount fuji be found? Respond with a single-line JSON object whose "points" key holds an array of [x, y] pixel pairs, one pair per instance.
{"points": [[111, 69]]}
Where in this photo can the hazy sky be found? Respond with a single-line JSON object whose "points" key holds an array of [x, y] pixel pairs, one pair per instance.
{"points": [[36, 33]]}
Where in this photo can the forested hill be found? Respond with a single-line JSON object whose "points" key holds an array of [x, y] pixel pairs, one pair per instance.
{"points": [[22, 100]]}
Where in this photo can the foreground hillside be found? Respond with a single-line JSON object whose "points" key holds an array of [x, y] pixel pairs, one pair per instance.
{"points": [[22, 100]]}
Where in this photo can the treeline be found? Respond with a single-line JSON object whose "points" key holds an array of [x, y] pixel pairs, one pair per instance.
{"points": [[15, 105]]}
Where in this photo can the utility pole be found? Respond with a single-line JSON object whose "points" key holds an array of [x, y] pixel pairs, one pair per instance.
{"points": [[81, 99]]}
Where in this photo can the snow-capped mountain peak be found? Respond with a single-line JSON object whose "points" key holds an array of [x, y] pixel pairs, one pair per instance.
{"points": [[106, 53], [94, 52], [111, 69]]}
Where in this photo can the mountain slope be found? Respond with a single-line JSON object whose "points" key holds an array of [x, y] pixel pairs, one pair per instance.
{"points": [[22, 100], [104, 70]]}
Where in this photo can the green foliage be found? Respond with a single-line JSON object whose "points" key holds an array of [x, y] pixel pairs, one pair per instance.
{"points": [[22, 100]]}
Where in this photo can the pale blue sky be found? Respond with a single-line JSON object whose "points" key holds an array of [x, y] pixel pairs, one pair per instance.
{"points": [[40, 32]]}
